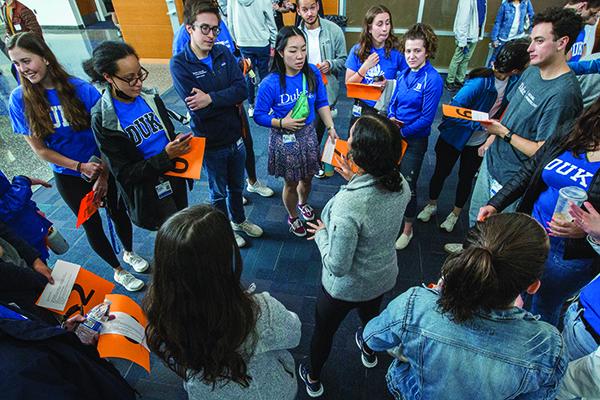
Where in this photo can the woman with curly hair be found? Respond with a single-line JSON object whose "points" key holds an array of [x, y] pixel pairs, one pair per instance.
{"points": [[412, 108], [225, 342], [375, 58], [356, 239]]}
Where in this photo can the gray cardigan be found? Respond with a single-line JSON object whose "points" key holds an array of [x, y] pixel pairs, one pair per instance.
{"points": [[271, 366], [362, 221]]}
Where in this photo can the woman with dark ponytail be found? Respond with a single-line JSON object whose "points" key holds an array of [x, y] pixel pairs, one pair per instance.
{"points": [[356, 238], [467, 337], [136, 137]]}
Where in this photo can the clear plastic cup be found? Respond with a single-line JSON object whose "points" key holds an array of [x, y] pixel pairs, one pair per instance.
{"points": [[566, 195]]}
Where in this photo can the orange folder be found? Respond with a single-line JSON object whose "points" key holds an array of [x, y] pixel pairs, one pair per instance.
{"points": [[119, 346], [323, 76], [189, 165], [362, 91], [332, 153], [464, 113], [87, 208], [88, 291]]}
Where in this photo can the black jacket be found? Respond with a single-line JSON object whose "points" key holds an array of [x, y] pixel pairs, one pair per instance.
{"points": [[528, 183], [41, 361], [137, 177]]}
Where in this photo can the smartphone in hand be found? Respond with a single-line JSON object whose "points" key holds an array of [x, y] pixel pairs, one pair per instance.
{"points": [[185, 137], [93, 159]]}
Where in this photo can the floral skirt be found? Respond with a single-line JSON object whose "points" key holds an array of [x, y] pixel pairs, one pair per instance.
{"points": [[297, 160]]}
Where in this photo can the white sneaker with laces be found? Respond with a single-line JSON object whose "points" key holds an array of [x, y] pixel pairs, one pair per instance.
{"points": [[452, 248], [248, 228], [403, 241], [128, 281], [448, 224], [239, 240], [427, 212], [251, 111], [259, 188], [137, 263]]}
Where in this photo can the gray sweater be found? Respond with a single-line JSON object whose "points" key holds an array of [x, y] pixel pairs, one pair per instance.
{"points": [[271, 366], [357, 246]]}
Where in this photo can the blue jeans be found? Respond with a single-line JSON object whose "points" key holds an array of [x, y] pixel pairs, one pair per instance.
{"points": [[410, 167], [224, 168], [561, 279], [578, 341], [260, 57]]}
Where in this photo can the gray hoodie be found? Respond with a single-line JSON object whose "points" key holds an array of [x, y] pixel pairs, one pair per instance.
{"points": [[271, 366], [251, 23]]}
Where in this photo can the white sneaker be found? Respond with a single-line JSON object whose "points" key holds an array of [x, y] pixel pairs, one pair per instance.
{"points": [[239, 240], [137, 263], [259, 188], [452, 248], [128, 281], [427, 212], [448, 224], [248, 228], [403, 241], [251, 111], [244, 201]]}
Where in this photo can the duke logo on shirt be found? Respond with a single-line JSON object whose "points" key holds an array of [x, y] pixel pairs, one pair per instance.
{"points": [[143, 127], [575, 173], [57, 117]]}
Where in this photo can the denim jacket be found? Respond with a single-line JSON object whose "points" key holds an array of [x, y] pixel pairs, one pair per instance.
{"points": [[477, 94], [506, 16], [502, 354]]}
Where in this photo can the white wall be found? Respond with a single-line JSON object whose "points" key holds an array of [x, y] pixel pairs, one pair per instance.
{"points": [[55, 12]]}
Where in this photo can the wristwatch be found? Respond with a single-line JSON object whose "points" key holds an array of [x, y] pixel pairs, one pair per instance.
{"points": [[508, 136]]}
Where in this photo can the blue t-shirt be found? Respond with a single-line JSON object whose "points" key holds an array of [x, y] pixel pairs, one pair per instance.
{"points": [[271, 97], [208, 61], [565, 170], [387, 66], [578, 47], [182, 39], [590, 301], [142, 126], [79, 146]]}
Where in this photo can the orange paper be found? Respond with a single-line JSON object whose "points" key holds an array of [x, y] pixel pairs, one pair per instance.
{"points": [[189, 165], [332, 153], [88, 291], [464, 113], [323, 76], [87, 208], [364, 92], [119, 346]]}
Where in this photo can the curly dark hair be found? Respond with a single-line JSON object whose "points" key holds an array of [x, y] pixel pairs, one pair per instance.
{"points": [[502, 256], [512, 56], [376, 147], [366, 42], [37, 107], [565, 22], [426, 34], [200, 319]]}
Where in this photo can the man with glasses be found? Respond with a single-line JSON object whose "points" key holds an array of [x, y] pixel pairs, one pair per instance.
{"points": [[252, 25], [207, 78]]}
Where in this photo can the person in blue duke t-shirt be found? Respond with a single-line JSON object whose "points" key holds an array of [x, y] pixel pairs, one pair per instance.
{"points": [[293, 143], [375, 58], [136, 137], [52, 110], [412, 107], [213, 96], [588, 10]]}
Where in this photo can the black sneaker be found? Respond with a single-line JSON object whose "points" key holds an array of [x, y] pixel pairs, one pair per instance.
{"points": [[314, 389], [369, 358]]}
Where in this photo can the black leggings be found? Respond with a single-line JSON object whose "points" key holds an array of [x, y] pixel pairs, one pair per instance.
{"points": [[247, 137], [445, 158], [329, 315], [72, 189]]}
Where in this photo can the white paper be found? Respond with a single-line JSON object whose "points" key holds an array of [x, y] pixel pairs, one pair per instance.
{"points": [[56, 296], [328, 152], [480, 116], [125, 325]]}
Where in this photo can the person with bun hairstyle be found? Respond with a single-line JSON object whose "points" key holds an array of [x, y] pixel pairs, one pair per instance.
{"points": [[467, 337], [136, 137], [412, 108], [375, 58], [484, 90], [223, 340], [52, 110], [356, 239]]}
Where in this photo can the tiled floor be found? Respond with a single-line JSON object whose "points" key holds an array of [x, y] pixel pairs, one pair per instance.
{"points": [[286, 266]]}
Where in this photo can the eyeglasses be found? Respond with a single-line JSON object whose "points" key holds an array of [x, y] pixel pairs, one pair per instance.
{"points": [[141, 77], [205, 29]]}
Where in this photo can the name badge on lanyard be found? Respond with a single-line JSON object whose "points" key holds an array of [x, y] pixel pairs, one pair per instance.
{"points": [[289, 138], [356, 110], [164, 189]]}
